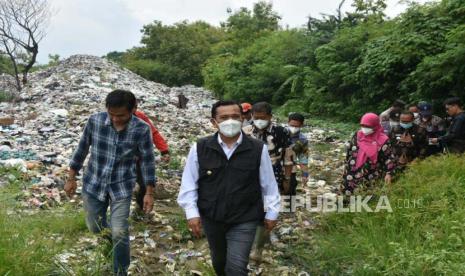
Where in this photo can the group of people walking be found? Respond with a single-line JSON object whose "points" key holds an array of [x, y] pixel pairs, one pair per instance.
{"points": [[233, 179]]}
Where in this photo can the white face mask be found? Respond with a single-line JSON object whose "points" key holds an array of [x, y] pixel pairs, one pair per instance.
{"points": [[261, 124], [367, 130], [293, 129], [416, 115], [230, 128]]}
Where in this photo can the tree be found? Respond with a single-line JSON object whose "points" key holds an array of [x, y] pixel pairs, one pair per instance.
{"points": [[270, 69], [22, 27], [53, 60], [172, 54], [367, 9], [244, 26]]}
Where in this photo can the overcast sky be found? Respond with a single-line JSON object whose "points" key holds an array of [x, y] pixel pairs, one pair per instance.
{"points": [[99, 26]]}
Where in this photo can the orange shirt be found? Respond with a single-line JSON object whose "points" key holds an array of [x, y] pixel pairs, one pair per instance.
{"points": [[158, 140]]}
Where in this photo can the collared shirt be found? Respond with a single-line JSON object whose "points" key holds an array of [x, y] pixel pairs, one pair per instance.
{"points": [[276, 138], [434, 127], [111, 169], [188, 194], [456, 130]]}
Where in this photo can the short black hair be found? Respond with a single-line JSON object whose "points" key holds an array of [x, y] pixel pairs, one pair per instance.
{"points": [[224, 103], [398, 103], [453, 101], [406, 112], [262, 107], [413, 105], [296, 117], [121, 98], [395, 113]]}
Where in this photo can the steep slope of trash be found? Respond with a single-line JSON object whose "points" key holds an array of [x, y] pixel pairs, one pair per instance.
{"points": [[45, 125]]}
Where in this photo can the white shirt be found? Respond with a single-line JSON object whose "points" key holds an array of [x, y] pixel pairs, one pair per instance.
{"points": [[188, 194]]}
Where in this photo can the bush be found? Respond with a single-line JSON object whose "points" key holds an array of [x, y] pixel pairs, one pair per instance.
{"points": [[424, 235], [6, 96]]}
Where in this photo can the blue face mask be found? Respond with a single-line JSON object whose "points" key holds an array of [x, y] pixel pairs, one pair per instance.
{"points": [[406, 126]]}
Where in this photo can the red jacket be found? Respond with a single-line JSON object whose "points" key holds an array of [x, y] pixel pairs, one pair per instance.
{"points": [[158, 140]]}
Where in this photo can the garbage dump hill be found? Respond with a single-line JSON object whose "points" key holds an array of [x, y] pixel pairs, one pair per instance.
{"points": [[47, 122], [44, 126]]}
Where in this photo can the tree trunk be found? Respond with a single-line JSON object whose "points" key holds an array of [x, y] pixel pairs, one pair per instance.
{"points": [[10, 54], [19, 87], [34, 50]]}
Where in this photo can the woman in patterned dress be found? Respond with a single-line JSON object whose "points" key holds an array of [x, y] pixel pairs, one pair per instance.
{"points": [[369, 156]]}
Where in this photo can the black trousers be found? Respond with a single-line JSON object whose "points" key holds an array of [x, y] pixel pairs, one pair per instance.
{"points": [[293, 184], [230, 245]]}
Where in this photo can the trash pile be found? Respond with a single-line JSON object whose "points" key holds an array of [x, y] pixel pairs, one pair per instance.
{"points": [[326, 165], [40, 132]]}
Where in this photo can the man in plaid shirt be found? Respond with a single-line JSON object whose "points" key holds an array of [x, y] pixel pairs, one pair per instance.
{"points": [[115, 139]]}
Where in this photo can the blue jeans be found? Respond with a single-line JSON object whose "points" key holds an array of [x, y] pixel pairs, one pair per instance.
{"points": [[96, 220], [230, 245]]}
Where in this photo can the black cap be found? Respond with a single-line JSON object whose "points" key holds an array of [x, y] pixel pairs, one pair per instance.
{"points": [[426, 109]]}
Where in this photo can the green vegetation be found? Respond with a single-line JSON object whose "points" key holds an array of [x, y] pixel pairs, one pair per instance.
{"points": [[5, 96], [424, 235], [29, 243], [339, 66], [5, 65], [171, 54]]}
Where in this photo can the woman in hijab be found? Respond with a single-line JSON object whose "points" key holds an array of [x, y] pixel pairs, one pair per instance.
{"points": [[369, 156]]}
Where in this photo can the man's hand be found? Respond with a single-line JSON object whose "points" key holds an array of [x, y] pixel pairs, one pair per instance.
{"points": [[270, 224], [70, 186], [148, 203], [434, 141], [165, 158], [195, 226], [388, 179]]}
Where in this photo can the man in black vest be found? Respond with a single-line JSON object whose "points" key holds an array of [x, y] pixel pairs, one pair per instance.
{"points": [[228, 187]]}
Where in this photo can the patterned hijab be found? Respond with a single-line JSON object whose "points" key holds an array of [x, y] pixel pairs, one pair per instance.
{"points": [[369, 145]]}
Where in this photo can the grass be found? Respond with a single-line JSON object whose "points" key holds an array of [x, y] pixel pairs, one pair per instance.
{"points": [[180, 222], [30, 242], [424, 235], [6, 96], [321, 147]]}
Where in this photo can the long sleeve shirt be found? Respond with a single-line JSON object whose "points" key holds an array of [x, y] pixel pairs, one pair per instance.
{"points": [[111, 169], [158, 140], [456, 131], [188, 193]]}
